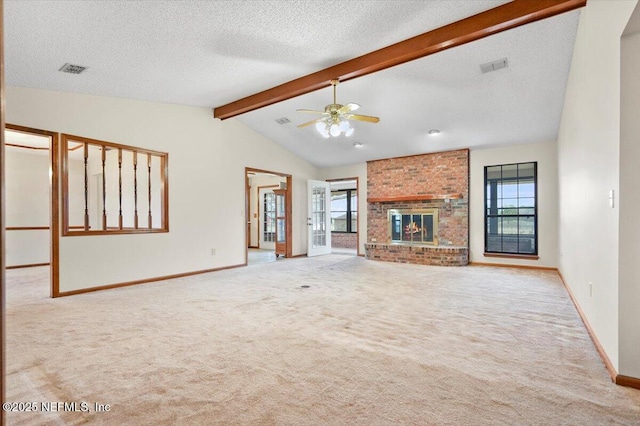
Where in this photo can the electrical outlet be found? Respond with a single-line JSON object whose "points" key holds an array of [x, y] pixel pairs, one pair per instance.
{"points": [[590, 289], [213, 252]]}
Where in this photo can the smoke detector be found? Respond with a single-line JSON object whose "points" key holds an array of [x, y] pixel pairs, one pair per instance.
{"points": [[72, 69]]}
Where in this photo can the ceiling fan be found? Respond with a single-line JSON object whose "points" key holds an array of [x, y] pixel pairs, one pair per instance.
{"points": [[335, 117]]}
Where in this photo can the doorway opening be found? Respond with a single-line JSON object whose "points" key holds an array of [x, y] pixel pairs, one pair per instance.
{"points": [[31, 188], [268, 208], [345, 235]]}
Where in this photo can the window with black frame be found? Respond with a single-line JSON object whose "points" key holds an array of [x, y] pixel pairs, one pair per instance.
{"points": [[344, 211], [511, 221]]}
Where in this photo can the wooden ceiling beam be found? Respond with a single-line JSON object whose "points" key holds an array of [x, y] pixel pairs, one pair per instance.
{"points": [[492, 21]]}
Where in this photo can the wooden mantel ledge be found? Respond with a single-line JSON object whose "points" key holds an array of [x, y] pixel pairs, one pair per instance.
{"points": [[413, 198]]}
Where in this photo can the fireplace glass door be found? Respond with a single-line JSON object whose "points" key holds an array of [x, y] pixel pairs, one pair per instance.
{"points": [[414, 226]]}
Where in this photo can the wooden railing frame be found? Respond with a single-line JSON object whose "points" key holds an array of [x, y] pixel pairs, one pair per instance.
{"points": [[163, 157], [37, 228]]}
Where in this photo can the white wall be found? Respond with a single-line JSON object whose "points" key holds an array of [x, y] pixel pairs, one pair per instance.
{"points": [[629, 286], [27, 205], [359, 171], [588, 168], [207, 160], [546, 156]]}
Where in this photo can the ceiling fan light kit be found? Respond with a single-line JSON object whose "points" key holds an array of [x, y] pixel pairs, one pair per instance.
{"points": [[335, 118]]}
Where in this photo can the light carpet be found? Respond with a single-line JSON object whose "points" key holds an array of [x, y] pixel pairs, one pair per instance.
{"points": [[367, 343]]}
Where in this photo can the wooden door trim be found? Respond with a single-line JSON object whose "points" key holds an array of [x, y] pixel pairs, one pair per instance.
{"points": [[288, 207], [54, 204], [3, 364]]}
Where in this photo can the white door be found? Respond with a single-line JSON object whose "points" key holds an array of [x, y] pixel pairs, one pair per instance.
{"points": [[267, 218], [319, 217]]}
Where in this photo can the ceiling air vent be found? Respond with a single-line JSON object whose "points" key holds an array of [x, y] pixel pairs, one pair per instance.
{"points": [[494, 66], [72, 69], [283, 120]]}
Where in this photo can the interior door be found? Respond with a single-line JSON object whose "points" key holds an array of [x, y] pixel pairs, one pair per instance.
{"points": [[319, 218], [267, 218]]}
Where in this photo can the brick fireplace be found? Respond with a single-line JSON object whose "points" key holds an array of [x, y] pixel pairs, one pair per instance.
{"points": [[418, 209]]}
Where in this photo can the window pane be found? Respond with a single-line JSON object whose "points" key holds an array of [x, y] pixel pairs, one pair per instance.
{"points": [[510, 171], [494, 235], [526, 226], [509, 189], [526, 189], [509, 226], [416, 228], [339, 200], [338, 221], [354, 222], [406, 228], [427, 225], [494, 172], [269, 217], [527, 235], [526, 202], [396, 227], [510, 234], [509, 205], [526, 170], [281, 230], [494, 226], [354, 201]]}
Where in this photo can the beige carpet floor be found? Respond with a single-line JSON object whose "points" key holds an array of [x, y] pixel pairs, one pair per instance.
{"points": [[367, 343]]}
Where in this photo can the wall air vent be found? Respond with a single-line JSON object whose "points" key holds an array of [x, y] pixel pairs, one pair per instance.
{"points": [[494, 66], [72, 69], [283, 120]]}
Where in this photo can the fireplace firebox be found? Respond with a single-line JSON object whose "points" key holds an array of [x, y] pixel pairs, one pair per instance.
{"points": [[413, 226]]}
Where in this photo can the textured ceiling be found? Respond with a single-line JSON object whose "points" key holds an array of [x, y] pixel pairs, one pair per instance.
{"points": [[213, 52]]}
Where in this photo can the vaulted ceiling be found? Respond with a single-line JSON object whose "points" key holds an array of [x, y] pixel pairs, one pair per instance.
{"points": [[211, 53]]}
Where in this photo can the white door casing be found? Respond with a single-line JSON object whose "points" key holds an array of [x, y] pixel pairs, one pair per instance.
{"points": [[318, 218]]}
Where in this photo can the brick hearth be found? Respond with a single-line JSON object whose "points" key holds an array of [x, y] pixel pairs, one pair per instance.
{"points": [[439, 180]]}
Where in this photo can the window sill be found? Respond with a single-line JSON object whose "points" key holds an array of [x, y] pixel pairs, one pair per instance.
{"points": [[513, 256]]}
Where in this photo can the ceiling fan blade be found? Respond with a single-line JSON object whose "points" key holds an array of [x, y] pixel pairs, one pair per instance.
{"points": [[313, 111], [309, 123], [359, 117], [348, 108]]}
